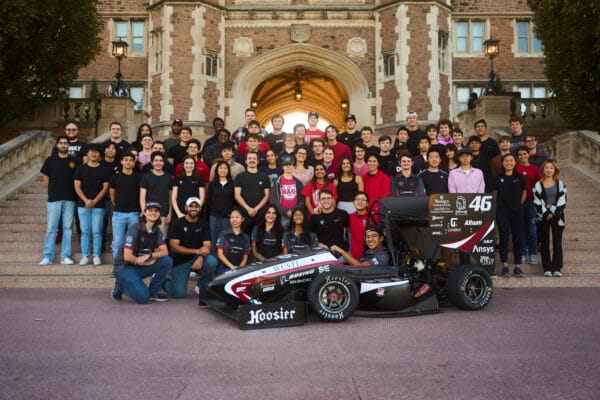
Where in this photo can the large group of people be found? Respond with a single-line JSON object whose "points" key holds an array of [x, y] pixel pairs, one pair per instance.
{"points": [[180, 208]]}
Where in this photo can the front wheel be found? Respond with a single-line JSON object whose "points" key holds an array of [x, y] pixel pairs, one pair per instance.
{"points": [[469, 287], [333, 296]]}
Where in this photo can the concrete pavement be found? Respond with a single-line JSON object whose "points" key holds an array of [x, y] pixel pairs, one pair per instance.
{"points": [[77, 343]]}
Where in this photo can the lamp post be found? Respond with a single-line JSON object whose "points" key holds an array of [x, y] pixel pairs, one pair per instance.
{"points": [[118, 88], [491, 48]]}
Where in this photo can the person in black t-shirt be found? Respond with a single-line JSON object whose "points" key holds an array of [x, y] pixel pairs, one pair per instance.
{"points": [[167, 166], [155, 187], [57, 173], [251, 190], [189, 242], [116, 131], [125, 196], [267, 235], [77, 149], [187, 184], [91, 186], [330, 225], [351, 136], [434, 179], [275, 138], [178, 151]]}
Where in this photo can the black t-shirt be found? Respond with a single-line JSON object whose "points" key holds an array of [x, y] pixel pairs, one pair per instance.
{"points": [[234, 246], [275, 142], [508, 201], [77, 150], [187, 188], [270, 245], [92, 181], [60, 171], [350, 139], [490, 148], [435, 182], [177, 153], [113, 166], [127, 192], [167, 167], [190, 235], [330, 228], [253, 186], [386, 161], [122, 147], [157, 189], [220, 199], [413, 141]]}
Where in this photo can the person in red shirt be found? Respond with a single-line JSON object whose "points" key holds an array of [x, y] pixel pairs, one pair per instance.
{"points": [[339, 149], [193, 150], [377, 184], [358, 222], [253, 128], [312, 131], [532, 175], [313, 188]]}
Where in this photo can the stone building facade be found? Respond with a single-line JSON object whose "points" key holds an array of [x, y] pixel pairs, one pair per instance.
{"points": [[377, 59]]}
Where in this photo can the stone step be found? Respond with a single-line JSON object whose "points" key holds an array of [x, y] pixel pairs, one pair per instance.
{"points": [[38, 246], [36, 257], [53, 270], [570, 268], [68, 282], [28, 237], [21, 204], [567, 280], [39, 211]]}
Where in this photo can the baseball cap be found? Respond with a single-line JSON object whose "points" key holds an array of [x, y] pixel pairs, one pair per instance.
{"points": [[153, 204], [374, 228], [287, 160], [310, 114], [177, 121], [350, 116], [191, 200], [465, 150]]}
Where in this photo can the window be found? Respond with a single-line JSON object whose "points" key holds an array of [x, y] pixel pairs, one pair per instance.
{"points": [[157, 51], [132, 32], [76, 92], [469, 36], [527, 42], [462, 96], [211, 65], [389, 64], [528, 92], [137, 94], [443, 51]]}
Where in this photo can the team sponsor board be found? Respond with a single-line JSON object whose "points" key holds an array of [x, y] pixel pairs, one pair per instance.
{"points": [[272, 315]]}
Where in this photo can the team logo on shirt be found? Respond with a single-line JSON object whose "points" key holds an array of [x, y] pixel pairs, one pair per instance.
{"points": [[71, 164]]}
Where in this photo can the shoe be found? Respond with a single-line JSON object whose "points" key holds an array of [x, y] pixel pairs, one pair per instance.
{"points": [[45, 261], [116, 293], [84, 260], [197, 290], [548, 273], [518, 272], [97, 260], [557, 274], [524, 260], [67, 261], [505, 272], [194, 274], [159, 297], [533, 259]]}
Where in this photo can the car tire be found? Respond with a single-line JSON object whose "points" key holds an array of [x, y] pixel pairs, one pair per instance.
{"points": [[469, 287], [333, 296]]}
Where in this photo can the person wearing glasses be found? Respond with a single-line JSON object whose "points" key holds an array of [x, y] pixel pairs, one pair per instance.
{"points": [[374, 255], [77, 149]]}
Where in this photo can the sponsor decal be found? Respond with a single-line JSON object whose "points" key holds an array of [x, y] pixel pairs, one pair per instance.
{"points": [[272, 315], [380, 292], [471, 222]]}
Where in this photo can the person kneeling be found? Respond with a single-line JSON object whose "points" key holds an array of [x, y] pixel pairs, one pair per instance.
{"points": [[375, 254], [189, 241], [144, 253]]}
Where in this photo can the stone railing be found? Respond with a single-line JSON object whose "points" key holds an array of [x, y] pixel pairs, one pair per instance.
{"points": [[578, 148], [79, 110], [21, 159], [538, 112]]}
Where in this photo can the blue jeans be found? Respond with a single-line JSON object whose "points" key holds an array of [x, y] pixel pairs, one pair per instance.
{"points": [[120, 223], [91, 222], [130, 279], [57, 212], [217, 225], [530, 234], [177, 286]]}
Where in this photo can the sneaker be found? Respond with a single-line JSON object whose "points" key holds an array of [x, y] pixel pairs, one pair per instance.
{"points": [[84, 260], [557, 274], [548, 273], [524, 260], [505, 272], [159, 297], [116, 293], [197, 290], [533, 259], [518, 272], [97, 260], [194, 274], [67, 261], [45, 261]]}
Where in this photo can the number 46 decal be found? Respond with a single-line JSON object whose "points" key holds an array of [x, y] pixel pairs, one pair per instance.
{"points": [[481, 203]]}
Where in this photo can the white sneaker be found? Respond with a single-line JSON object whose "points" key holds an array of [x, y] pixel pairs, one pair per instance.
{"points": [[197, 289], [548, 273], [97, 260], [84, 260], [67, 261], [557, 274], [45, 261], [193, 274]]}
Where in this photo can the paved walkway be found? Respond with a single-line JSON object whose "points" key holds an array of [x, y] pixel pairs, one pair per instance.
{"points": [[528, 344]]}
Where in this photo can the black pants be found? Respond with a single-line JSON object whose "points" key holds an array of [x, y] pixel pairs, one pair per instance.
{"points": [[506, 226], [556, 262]]}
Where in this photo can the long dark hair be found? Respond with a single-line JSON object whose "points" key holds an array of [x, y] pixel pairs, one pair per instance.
{"points": [[313, 181], [340, 172], [262, 226], [305, 235], [139, 132], [216, 177], [445, 163], [182, 173]]}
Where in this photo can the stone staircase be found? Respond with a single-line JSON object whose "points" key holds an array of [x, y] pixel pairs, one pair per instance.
{"points": [[23, 225]]}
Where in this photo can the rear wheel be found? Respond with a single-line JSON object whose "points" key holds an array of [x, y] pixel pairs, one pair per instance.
{"points": [[333, 296], [469, 287]]}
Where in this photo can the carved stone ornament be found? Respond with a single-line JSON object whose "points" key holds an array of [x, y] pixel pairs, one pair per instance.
{"points": [[242, 46], [300, 33], [357, 47]]}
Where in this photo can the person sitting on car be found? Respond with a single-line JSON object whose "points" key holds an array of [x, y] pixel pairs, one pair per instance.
{"points": [[375, 254]]}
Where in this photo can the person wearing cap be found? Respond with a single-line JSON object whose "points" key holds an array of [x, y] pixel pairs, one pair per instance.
{"points": [[174, 137], [286, 192], [374, 255], [312, 131], [350, 137], [91, 187], [465, 178], [190, 246], [144, 253]]}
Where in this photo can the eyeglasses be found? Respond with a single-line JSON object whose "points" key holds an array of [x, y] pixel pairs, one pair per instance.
{"points": [[360, 199]]}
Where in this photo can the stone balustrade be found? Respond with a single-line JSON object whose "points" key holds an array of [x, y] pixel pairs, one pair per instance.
{"points": [[79, 110], [21, 159], [538, 112], [577, 148]]}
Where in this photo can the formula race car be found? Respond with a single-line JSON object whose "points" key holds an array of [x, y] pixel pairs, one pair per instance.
{"points": [[276, 292]]}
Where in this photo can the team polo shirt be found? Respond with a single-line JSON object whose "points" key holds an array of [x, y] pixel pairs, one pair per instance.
{"points": [[296, 243], [234, 246], [270, 246], [139, 240], [379, 256]]}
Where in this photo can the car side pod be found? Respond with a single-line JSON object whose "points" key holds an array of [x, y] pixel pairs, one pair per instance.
{"points": [[426, 304]]}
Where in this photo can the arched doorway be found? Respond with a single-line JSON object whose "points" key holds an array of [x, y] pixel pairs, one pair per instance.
{"points": [[326, 67]]}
